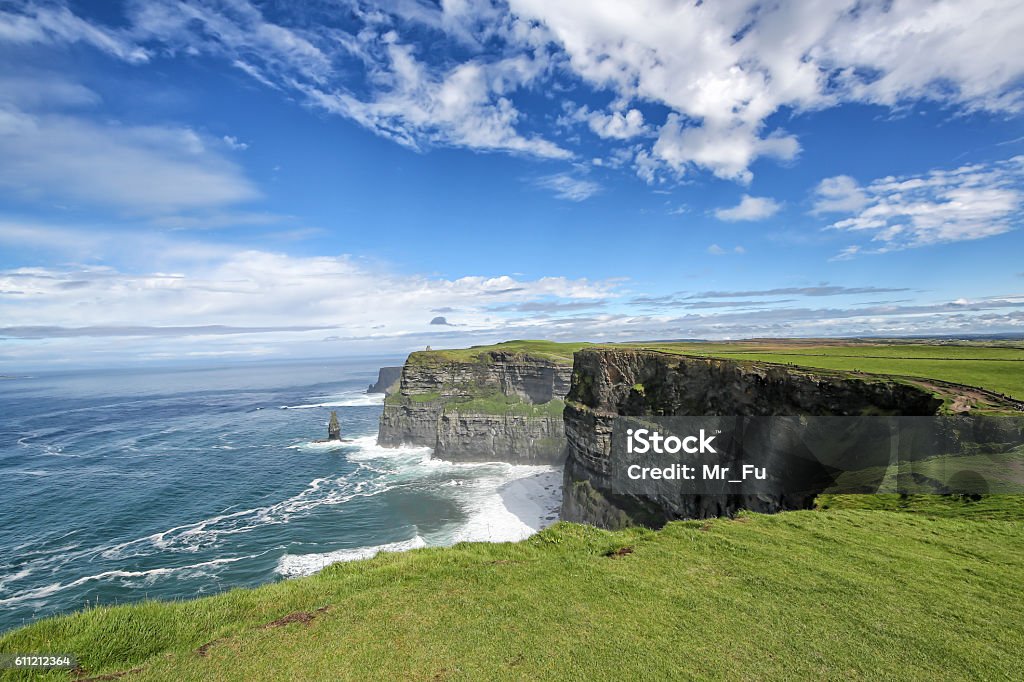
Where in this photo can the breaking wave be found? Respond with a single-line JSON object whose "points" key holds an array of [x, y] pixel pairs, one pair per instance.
{"points": [[295, 565]]}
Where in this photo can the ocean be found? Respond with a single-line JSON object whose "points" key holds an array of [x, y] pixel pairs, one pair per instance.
{"points": [[122, 485]]}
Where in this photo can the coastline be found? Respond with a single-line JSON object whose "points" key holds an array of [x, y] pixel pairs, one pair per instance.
{"points": [[508, 507]]}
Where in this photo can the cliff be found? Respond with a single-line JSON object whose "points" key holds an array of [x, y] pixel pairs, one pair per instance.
{"points": [[607, 383], [487, 403], [387, 378]]}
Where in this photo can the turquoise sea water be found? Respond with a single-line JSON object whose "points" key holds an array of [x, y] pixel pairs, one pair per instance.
{"points": [[121, 485]]}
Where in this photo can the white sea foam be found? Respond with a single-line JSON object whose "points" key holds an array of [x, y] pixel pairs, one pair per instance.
{"points": [[513, 506], [148, 576], [351, 399], [320, 445], [211, 532], [295, 565], [500, 502], [366, 448], [23, 572]]}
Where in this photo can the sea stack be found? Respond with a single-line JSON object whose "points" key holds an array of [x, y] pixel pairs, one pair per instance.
{"points": [[333, 427]]}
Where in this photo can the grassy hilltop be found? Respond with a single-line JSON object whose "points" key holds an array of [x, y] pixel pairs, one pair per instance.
{"points": [[995, 365], [864, 587]]}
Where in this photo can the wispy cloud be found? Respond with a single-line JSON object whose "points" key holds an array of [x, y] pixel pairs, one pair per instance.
{"points": [[819, 290], [716, 250], [142, 169], [749, 208], [55, 24], [566, 186], [941, 206]]}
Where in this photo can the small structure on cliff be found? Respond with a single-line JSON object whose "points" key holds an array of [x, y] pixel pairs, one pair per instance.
{"points": [[333, 427]]}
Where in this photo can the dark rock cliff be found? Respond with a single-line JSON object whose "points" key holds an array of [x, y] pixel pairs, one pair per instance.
{"points": [[387, 378], [607, 383], [491, 406]]}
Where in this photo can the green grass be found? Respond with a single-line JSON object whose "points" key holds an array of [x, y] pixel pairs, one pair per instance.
{"points": [[998, 368], [989, 507], [499, 403], [560, 353], [836, 594]]}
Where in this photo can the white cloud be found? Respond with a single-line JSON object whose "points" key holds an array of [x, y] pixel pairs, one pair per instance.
{"points": [[840, 194], [143, 169], [617, 125], [50, 25], [749, 208], [409, 101], [724, 68], [970, 202], [180, 290], [566, 186], [33, 89], [458, 107], [234, 143], [726, 151], [716, 250], [185, 299]]}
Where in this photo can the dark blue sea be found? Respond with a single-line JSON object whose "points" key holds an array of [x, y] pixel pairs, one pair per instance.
{"points": [[121, 485]]}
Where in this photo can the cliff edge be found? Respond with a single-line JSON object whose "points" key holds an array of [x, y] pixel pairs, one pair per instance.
{"points": [[387, 380], [487, 403], [607, 383]]}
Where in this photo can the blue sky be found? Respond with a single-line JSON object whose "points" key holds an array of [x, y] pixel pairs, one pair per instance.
{"points": [[226, 179]]}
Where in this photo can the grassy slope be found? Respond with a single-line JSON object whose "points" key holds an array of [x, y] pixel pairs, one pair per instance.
{"points": [[499, 403], [835, 594], [998, 368]]}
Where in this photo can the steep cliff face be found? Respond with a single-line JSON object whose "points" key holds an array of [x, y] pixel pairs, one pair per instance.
{"points": [[490, 404], [518, 439], [610, 383], [387, 378]]}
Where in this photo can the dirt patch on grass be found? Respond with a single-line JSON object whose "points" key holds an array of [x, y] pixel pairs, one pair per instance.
{"points": [[204, 650], [304, 617], [620, 552]]}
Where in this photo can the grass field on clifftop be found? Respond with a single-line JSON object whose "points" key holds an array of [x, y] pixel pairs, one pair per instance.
{"points": [[997, 366], [560, 353], [835, 594]]}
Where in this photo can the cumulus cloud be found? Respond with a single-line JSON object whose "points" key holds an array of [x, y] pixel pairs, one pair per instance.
{"points": [[749, 208], [724, 69], [617, 125], [840, 194], [941, 206], [726, 151]]}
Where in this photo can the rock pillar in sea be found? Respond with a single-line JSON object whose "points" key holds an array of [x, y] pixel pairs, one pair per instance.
{"points": [[333, 427]]}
